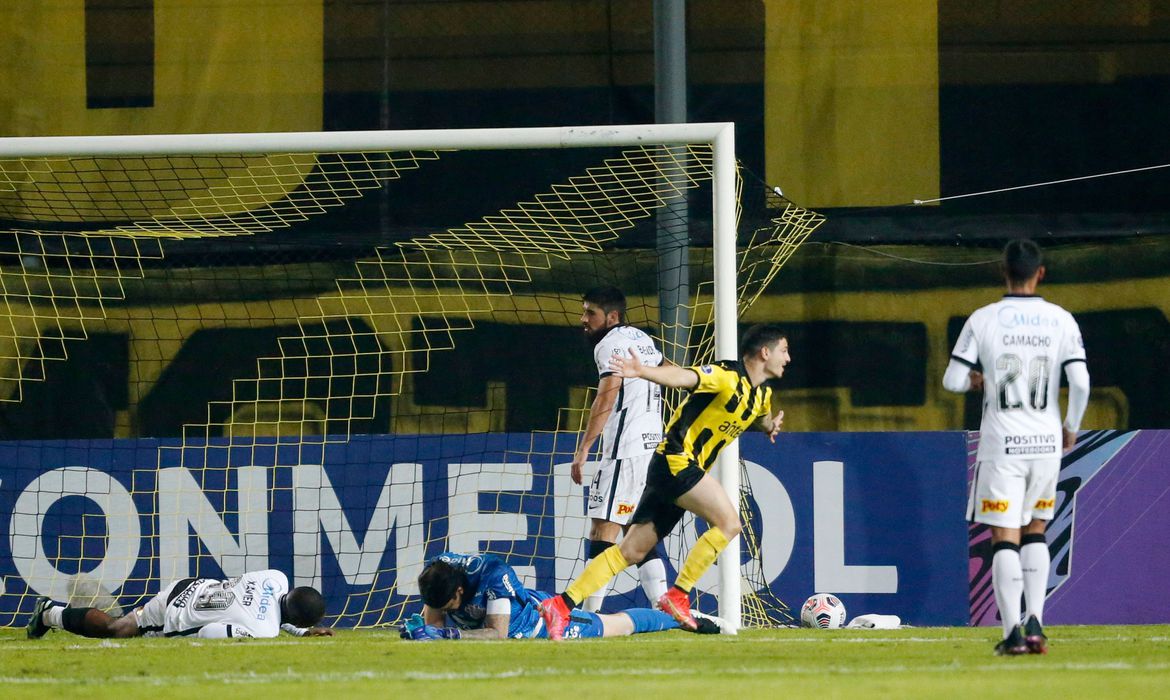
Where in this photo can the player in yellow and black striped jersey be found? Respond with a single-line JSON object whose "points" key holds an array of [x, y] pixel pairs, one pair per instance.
{"points": [[722, 406], [726, 399]]}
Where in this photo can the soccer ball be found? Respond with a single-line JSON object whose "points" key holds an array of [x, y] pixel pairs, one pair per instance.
{"points": [[823, 610]]}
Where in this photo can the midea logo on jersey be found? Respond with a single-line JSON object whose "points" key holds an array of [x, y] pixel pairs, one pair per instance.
{"points": [[1011, 317], [266, 599]]}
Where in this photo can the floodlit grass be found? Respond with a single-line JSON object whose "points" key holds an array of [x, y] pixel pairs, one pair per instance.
{"points": [[947, 663]]}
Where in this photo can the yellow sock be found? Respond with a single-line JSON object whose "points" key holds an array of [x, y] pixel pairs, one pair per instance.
{"points": [[597, 573], [701, 557]]}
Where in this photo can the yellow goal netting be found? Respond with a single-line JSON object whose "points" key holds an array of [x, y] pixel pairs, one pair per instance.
{"points": [[340, 395]]}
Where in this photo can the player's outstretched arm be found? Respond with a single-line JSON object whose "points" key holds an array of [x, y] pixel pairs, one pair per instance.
{"points": [[672, 376], [494, 627], [319, 632], [306, 631]]}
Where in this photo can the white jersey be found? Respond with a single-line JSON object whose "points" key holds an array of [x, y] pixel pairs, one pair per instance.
{"points": [[1022, 344], [635, 425], [245, 606]]}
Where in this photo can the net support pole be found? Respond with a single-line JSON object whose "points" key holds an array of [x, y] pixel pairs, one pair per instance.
{"points": [[670, 107], [727, 348]]}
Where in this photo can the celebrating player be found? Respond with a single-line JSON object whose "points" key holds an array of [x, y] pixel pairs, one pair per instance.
{"points": [[1014, 350], [726, 399], [256, 604], [480, 596], [627, 415]]}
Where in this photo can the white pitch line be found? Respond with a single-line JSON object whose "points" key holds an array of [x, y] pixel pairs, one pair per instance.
{"points": [[162, 643], [828, 638], [290, 675]]}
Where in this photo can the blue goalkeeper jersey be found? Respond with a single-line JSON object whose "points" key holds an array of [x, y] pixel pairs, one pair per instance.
{"points": [[490, 578]]}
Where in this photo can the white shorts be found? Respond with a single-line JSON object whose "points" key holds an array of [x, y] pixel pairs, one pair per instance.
{"points": [[617, 487], [152, 617], [1012, 493]]}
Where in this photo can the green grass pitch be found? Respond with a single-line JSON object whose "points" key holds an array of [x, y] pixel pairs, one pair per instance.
{"points": [[947, 663]]}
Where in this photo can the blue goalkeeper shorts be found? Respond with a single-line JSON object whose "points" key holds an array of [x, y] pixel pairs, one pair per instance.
{"points": [[526, 624]]}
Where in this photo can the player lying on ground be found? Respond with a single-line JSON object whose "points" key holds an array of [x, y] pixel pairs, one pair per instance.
{"points": [[256, 604], [479, 596]]}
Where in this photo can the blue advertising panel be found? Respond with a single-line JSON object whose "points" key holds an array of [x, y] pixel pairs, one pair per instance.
{"points": [[879, 520], [875, 518]]}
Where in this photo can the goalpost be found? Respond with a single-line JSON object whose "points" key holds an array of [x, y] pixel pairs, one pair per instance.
{"points": [[91, 222]]}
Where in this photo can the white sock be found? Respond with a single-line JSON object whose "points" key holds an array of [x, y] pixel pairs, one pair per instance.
{"points": [[52, 616], [1035, 562], [593, 602], [652, 575], [1007, 578]]}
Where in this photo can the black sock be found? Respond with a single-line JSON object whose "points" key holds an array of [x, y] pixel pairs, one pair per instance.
{"points": [[73, 620], [597, 548]]}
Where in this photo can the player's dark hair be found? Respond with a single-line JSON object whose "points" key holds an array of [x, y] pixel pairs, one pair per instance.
{"points": [[609, 299], [1021, 259], [760, 336], [437, 583], [303, 607]]}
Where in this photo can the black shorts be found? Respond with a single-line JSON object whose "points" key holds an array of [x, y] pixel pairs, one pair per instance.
{"points": [[662, 490]]}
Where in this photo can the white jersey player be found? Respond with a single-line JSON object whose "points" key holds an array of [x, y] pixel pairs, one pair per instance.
{"points": [[254, 604], [634, 425], [627, 415], [1016, 349]]}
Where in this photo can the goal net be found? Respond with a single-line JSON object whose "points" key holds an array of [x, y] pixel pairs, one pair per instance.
{"points": [[316, 368]]}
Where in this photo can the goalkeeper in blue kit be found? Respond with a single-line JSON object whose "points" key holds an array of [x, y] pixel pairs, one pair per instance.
{"points": [[480, 596]]}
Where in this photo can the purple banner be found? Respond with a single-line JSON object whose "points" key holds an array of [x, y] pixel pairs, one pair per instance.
{"points": [[1107, 538]]}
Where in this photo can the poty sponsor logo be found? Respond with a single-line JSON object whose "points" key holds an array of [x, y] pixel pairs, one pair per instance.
{"points": [[625, 509], [1046, 504], [990, 506]]}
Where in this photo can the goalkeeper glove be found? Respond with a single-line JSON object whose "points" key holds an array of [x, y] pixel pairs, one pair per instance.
{"points": [[417, 629]]}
